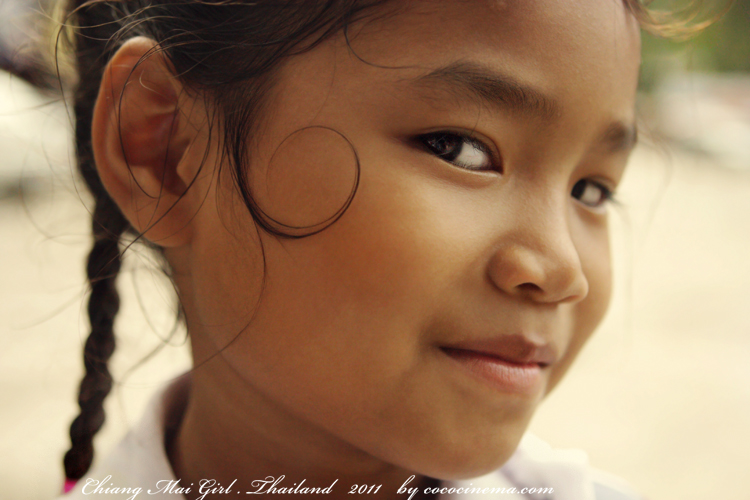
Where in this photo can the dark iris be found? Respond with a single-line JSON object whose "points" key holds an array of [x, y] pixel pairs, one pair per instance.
{"points": [[578, 189], [446, 146]]}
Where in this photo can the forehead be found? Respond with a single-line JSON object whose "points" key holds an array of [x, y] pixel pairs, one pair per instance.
{"points": [[556, 46], [536, 31]]}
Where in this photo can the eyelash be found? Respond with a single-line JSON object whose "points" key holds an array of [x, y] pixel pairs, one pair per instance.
{"points": [[428, 142]]}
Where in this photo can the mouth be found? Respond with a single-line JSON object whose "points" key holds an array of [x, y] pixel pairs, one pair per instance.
{"points": [[503, 375], [510, 364]]}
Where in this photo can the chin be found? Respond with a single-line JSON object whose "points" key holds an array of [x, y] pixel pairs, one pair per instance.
{"points": [[466, 462]]}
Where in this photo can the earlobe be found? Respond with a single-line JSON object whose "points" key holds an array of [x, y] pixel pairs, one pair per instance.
{"points": [[140, 140]]}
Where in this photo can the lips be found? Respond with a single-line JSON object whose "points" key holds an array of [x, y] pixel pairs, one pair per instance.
{"points": [[516, 349], [510, 363]]}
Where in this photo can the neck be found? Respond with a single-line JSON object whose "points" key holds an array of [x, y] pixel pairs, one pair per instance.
{"points": [[234, 437]]}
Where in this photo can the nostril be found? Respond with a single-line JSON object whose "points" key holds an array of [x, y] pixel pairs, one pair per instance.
{"points": [[529, 288]]}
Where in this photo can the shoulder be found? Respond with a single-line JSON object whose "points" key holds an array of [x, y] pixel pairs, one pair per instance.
{"points": [[566, 472], [536, 471], [610, 487]]}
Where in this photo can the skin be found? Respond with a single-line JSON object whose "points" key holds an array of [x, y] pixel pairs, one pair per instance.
{"points": [[335, 370]]}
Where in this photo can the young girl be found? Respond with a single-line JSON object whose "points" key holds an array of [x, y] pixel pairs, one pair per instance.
{"points": [[386, 223]]}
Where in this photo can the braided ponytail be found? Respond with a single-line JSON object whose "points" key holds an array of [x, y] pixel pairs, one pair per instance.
{"points": [[104, 302], [108, 225]]}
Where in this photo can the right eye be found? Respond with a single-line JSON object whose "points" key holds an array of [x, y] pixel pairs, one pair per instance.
{"points": [[460, 150]]}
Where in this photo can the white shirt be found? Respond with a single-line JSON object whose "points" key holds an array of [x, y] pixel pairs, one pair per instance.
{"points": [[138, 468]]}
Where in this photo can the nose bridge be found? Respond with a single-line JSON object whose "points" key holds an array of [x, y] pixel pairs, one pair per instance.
{"points": [[538, 255]]}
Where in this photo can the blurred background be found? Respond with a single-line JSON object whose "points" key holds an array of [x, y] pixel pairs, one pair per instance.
{"points": [[660, 396]]}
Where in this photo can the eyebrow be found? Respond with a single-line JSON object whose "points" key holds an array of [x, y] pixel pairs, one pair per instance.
{"points": [[489, 87], [500, 91], [620, 137]]}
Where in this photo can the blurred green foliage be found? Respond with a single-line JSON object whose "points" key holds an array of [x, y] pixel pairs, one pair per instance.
{"points": [[724, 46]]}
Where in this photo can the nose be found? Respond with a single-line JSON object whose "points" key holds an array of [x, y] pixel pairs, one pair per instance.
{"points": [[538, 260]]}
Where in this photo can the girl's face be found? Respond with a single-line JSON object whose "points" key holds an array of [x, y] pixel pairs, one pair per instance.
{"points": [[488, 134]]}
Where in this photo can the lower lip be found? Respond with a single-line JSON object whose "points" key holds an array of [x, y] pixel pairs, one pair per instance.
{"points": [[506, 376]]}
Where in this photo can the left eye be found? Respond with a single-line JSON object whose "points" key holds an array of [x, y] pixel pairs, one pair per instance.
{"points": [[591, 193], [460, 150]]}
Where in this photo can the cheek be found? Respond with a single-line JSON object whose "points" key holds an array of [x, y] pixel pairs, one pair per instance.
{"points": [[298, 187], [363, 289], [225, 274], [343, 324], [588, 314], [347, 302], [307, 181]]}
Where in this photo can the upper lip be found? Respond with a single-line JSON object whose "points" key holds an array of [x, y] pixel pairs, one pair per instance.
{"points": [[515, 348]]}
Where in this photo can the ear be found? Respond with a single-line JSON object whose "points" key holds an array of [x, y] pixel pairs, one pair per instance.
{"points": [[140, 141]]}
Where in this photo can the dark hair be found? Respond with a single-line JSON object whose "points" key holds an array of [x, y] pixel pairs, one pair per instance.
{"points": [[224, 50]]}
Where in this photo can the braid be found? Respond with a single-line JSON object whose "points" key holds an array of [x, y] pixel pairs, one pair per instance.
{"points": [[108, 225], [104, 302]]}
